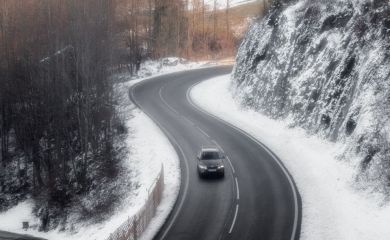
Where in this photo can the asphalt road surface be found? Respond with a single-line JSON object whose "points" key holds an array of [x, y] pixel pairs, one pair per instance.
{"points": [[257, 199], [13, 236]]}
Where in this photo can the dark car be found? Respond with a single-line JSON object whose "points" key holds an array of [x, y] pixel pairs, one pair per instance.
{"points": [[210, 162]]}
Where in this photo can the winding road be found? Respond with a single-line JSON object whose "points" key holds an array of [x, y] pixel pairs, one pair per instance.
{"points": [[257, 199]]}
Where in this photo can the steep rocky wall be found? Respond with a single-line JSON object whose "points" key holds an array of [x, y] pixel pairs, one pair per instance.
{"points": [[325, 66]]}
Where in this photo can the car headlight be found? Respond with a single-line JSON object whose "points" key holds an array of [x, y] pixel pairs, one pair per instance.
{"points": [[220, 166], [202, 167]]}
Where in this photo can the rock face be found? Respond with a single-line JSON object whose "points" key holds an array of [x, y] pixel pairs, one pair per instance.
{"points": [[324, 65]]}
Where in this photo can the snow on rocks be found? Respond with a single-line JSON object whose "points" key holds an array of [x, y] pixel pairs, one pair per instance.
{"points": [[324, 65]]}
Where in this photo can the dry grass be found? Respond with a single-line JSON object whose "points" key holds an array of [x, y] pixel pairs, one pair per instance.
{"points": [[246, 10], [228, 38]]}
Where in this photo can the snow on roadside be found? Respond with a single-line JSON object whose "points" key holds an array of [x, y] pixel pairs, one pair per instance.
{"points": [[153, 68], [152, 148], [332, 207], [17, 215], [151, 137], [221, 4]]}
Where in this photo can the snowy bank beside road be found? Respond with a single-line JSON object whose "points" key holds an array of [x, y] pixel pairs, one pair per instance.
{"points": [[153, 68], [151, 148], [332, 208], [221, 4]]}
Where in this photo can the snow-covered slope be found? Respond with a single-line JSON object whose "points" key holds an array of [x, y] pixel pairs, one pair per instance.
{"points": [[325, 66]]}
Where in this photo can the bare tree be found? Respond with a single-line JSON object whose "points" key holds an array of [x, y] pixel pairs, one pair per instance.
{"points": [[227, 20], [56, 95]]}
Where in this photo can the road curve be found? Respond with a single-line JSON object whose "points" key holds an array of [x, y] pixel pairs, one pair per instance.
{"points": [[13, 236], [257, 199]]}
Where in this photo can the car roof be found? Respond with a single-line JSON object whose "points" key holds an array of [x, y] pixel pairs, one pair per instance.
{"points": [[209, 149]]}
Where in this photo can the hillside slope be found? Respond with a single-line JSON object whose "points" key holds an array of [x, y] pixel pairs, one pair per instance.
{"points": [[325, 66]]}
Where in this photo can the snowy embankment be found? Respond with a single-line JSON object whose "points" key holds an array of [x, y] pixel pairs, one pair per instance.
{"points": [[332, 208], [221, 4], [153, 68], [147, 149]]}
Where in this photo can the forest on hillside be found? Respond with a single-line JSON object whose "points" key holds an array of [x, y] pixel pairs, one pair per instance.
{"points": [[57, 114]]}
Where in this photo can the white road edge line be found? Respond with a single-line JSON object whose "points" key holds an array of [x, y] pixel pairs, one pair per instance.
{"points": [[171, 108], [295, 195], [202, 131], [220, 148], [188, 120], [180, 206], [238, 189], [173, 140], [231, 165], [234, 219], [227, 158]]}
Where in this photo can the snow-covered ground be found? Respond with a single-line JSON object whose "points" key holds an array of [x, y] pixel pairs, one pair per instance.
{"points": [[332, 208], [221, 4], [148, 149], [153, 68]]}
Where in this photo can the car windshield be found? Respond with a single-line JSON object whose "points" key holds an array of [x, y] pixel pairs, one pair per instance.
{"points": [[210, 155]]}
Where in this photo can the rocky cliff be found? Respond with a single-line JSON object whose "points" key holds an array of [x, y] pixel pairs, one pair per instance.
{"points": [[324, 66]]}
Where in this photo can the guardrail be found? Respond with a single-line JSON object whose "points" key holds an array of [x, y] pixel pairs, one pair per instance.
{"points": [[134, 226]]}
